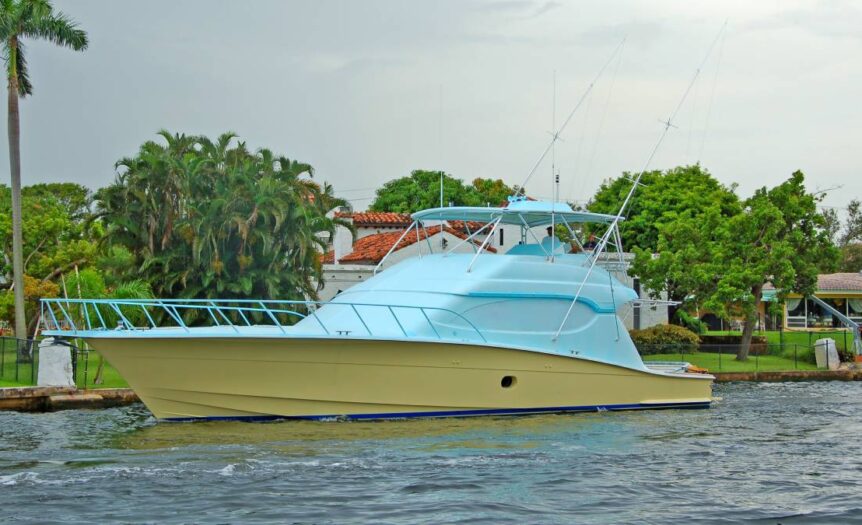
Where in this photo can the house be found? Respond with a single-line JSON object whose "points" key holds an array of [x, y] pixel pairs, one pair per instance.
{"points": [[841, 291]]}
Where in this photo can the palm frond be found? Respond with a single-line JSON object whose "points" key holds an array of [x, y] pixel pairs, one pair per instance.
{"points": [[24, 86], [56, 28]]}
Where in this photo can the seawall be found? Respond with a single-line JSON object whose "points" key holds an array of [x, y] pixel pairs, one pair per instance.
{"points": [[48, 398], [791, 375]]}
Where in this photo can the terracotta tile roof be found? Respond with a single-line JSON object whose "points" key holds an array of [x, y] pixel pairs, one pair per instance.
{"points": [[328, 257], [370, 219], [372, 248], [463, 226]]}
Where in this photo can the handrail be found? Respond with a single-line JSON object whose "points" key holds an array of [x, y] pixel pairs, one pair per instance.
{"points": [[218, 313]]}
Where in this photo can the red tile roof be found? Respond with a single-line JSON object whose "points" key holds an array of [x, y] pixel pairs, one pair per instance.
{"points": [[372, 248], [328, 257], [463, 226], [370, 219]]}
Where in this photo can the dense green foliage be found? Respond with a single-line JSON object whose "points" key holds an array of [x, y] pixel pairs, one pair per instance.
{"points": [[207, 219], [721, 263], [421, 190], [847, 236], [664, 338], [663, 197], [58, 229]]}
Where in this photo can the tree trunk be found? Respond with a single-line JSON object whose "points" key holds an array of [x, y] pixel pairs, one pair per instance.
{"points": [[748, 327], [15, 170]]}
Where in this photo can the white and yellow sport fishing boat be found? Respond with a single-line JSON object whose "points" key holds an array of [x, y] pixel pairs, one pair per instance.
{"points": [[534, 330]]}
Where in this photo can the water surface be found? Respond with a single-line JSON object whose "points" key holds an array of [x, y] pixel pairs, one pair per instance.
{"points": [[766, 453]]}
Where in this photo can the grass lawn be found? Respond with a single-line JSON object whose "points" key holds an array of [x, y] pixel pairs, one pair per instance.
{"points": [[774, 337], [728, 363]]}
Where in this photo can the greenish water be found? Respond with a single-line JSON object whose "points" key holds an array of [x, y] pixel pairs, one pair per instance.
{"points": [[766, 453]]}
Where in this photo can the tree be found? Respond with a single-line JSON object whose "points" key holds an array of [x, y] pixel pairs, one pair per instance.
{"points": [[59, 235], [661, 200], [57, 226], [421, 190], [492, 191], [20, 19], [211, 219], [851, 258], [722, 263], [848, 237]]}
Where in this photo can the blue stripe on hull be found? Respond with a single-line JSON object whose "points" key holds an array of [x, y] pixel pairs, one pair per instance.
{"points": [[452, 413]]}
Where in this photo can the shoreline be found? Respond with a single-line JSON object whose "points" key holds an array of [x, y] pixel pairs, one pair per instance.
{"points": [[53, 398]]}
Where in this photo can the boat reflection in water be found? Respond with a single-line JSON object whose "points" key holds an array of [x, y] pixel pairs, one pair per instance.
{"points": [[533, 330]]}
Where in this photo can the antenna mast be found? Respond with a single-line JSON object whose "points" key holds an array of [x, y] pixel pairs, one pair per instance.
{"points": [[554, 143], [440, 137], [553, 164], [555, 135], [603, 242]]}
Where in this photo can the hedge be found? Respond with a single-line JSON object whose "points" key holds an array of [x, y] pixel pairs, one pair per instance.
{"points": [[664, 339]]}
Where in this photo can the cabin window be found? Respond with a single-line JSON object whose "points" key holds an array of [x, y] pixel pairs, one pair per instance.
{"points": [[501, 236], [508, 381]]}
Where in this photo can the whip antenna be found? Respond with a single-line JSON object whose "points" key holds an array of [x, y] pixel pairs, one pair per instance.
{"points": [[555, 136], [603, 242]]}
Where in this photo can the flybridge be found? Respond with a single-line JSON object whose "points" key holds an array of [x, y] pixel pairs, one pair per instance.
{"points": [[520, 212]]}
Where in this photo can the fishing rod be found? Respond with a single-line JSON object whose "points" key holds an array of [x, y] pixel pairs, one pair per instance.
{"points": [[603, 242]]}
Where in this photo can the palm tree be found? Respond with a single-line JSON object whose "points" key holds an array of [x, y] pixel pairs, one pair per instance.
{"points": [[21, 19]]}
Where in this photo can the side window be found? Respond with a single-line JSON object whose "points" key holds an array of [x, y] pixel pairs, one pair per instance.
{"points": [[501, 236]]}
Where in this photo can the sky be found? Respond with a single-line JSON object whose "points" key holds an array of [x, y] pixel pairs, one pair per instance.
{"points": [[368, 91]]}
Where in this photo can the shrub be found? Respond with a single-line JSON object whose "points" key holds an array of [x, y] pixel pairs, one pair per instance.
{"points": [[692, 323], [665, 339]]}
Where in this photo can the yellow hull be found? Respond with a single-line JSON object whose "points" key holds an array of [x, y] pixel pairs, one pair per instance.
{"points": [[214, 378]]}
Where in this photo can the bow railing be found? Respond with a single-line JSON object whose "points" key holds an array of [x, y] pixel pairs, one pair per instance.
{"points": [[81, 317]]}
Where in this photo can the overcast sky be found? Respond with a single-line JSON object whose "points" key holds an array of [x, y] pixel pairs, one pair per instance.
{"points": [[368, 91]]}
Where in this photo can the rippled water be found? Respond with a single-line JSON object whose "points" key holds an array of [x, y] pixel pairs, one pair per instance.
{"points": [[767, 453]]}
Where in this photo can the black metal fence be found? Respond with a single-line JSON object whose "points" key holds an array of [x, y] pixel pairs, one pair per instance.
{"points": [[19, 363], [19, 360], [723, 357]]}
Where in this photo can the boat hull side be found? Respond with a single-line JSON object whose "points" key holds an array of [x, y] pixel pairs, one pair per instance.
{"points": [[258, 379]]}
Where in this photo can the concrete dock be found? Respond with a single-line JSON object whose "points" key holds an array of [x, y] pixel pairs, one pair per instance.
{"points": [[49, 398]]}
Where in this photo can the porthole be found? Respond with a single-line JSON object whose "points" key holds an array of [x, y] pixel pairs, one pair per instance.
{"points": [[508, 381]]}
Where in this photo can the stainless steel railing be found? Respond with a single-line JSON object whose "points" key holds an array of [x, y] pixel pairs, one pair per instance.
{"points": [[77, 317]]}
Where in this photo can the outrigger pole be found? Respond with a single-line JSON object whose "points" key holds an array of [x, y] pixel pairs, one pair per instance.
{"points": [[603, 242]]}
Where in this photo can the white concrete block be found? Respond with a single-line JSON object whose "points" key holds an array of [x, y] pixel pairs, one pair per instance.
{"points": [[55, 364], [826, 354]]}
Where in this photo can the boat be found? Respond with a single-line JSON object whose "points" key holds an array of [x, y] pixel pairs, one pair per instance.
{"points": [[536, 329]]}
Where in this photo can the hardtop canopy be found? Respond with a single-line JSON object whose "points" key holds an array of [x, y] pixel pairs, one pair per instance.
{"points": [[531, 213]]}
